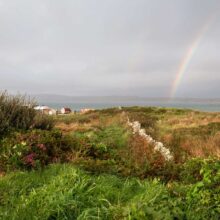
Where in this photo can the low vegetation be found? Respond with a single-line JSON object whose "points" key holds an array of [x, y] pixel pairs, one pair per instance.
{"points": [[92, 166]]}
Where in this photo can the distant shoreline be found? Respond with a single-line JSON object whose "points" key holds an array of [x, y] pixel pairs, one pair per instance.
{"points": [[207, 107]]}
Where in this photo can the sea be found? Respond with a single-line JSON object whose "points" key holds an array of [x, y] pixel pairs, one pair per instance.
{"points": [[209, 106]]}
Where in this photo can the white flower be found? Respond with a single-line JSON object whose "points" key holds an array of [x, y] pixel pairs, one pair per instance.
{"points": [[158, 146], [23, 143]]}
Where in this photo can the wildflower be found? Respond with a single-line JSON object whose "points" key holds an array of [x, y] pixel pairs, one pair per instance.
{"points": [[15, 146], [158, 146], [23, 143], [29, 159]]}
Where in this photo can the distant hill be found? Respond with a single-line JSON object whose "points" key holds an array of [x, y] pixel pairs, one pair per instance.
{"points": [[52, 98]]}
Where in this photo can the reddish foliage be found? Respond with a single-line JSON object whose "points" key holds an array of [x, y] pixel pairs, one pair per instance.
{"points": [[30, 159]]}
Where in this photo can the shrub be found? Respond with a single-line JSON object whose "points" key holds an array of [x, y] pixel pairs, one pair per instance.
{"points": [[204, 196], [34, 149], [43, 122], [190, 171], [16, 112]]}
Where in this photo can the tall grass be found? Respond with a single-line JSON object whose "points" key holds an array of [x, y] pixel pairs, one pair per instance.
{"points": [[64, 192]]}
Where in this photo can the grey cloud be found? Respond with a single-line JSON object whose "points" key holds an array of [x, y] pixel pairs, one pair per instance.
{"points": [[112, 47]]}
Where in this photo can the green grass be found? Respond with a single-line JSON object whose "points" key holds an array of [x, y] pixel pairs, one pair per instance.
{"points": [[65, 192]]}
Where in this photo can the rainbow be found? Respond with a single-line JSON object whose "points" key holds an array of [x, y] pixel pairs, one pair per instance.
{"points": [[184, 64]]}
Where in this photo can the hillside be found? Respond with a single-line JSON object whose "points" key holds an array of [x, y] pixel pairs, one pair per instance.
{"points": [[112, 164]]}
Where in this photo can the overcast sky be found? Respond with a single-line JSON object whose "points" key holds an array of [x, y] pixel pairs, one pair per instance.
{"points": [[109, 47]]}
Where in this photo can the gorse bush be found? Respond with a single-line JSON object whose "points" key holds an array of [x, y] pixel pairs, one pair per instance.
{"points": [[16, 112]]}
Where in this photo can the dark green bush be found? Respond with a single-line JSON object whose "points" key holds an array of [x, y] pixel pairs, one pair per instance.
{"points": [[16, 112]]}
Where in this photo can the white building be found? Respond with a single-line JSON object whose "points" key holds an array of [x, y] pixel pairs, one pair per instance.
{"points": [[65, 110], [45, 110]]}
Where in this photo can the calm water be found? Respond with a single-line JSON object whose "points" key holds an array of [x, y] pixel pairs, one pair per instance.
{"points": [[203, 106]]}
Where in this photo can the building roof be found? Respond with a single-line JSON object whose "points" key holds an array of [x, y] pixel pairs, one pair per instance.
{"points": [[41, 107], [66, 109]]}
